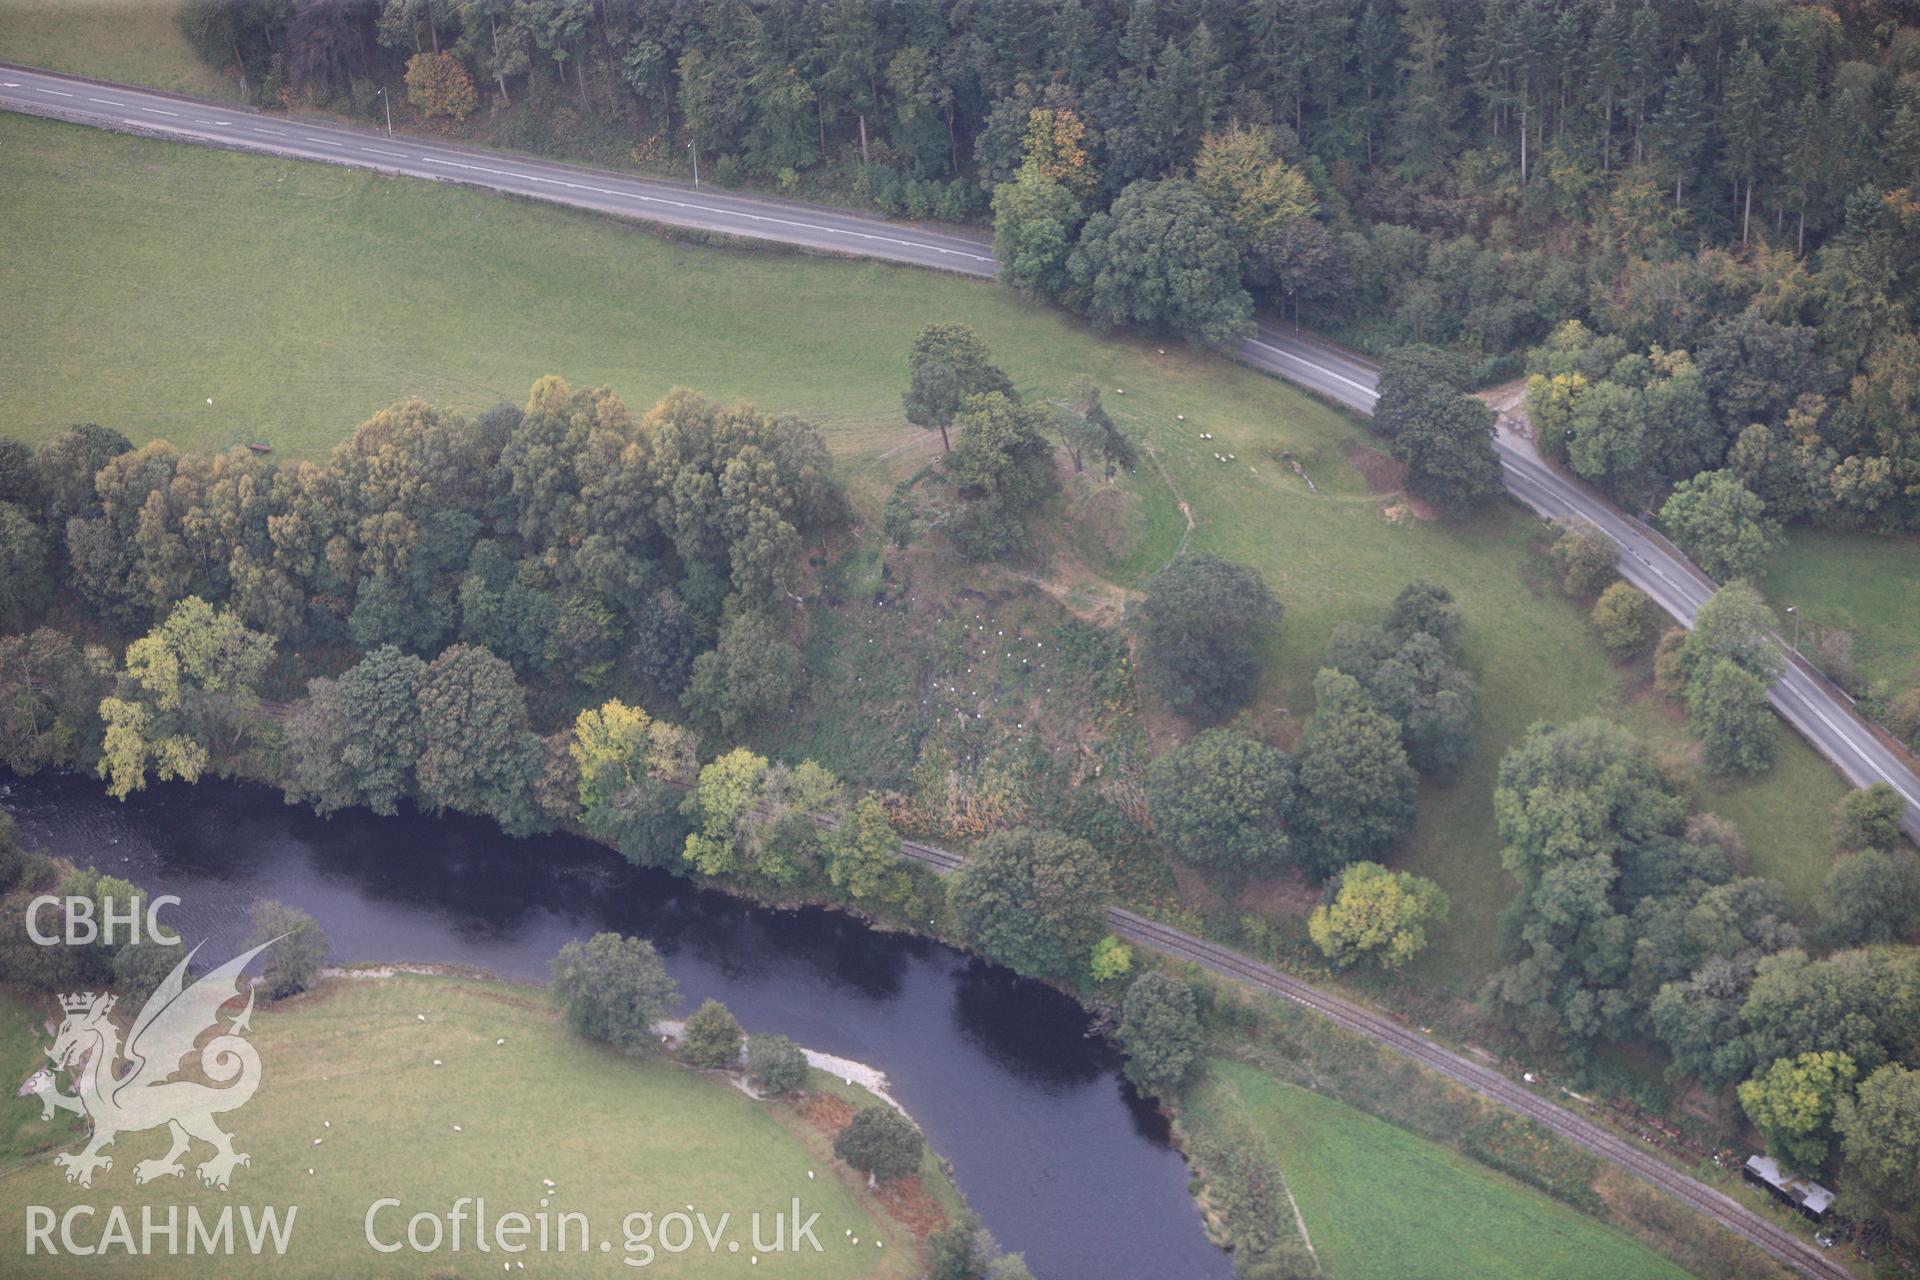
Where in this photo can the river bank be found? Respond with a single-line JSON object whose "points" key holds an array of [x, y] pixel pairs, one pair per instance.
{"points": [[1061, 1159], [426, 1088]]}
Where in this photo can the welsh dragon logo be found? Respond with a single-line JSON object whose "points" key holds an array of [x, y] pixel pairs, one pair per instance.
{"points": [[127, 1092]]}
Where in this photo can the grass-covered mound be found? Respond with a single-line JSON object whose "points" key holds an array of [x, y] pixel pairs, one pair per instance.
{"points": [[150, 277]]}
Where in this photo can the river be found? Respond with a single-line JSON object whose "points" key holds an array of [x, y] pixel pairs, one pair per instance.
{"points": [[1051, 1147]]}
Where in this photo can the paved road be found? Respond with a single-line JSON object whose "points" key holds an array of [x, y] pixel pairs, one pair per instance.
{"points": [[1647, 560], [224, 125], [1810, 704]]}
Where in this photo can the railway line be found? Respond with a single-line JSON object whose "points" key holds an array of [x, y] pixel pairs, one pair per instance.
{"points": [[1490, 1083], [1784, 1246], [1852, 744]]}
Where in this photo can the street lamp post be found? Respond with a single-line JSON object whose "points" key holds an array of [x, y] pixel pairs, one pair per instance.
{"points": [[1795, 615], [388, 103], [693, 145]]}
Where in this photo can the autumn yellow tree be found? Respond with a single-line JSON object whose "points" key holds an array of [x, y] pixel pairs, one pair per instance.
{"points": [[1056, 149], [440, 86], [724, 798], [618, 747], [1377, 914], [187, 690], [1254, 189], [627, 761]]}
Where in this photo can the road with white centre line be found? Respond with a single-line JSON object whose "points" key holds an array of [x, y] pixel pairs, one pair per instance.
{"points": [[1812, 706]]}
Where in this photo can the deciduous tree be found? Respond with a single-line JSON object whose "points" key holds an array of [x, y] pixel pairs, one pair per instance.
{"points": [[1879, 1132], [1626, 619], [1035, 220], [477, 754], [1872, 897], [1589, 561], [1869, 818], [1035, 901], [625, 761], [1721, 524], [863, 856], [1793, 1103], [24, 581], [299, 947], [881, 1143], [1201, 626], [1377, 914], [1736, 625], [1356, 788], [440, 86], [1729, 712], [1085, 428], [1160, 1030], [1001, 469], [49, 701], [712, 1036], [1163, 259], [1222, 801], [1240, 169], [613, 988], [1444, 436], [947, 364], [751, 672], [728, 790], [775, 1064], [188, 689]]}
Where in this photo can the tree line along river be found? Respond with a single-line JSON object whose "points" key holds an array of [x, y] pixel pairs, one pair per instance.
{"points": [[1056, 1153]]}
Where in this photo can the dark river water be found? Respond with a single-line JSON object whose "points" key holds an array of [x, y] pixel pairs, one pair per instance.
{"points": [[1059, 1157]]}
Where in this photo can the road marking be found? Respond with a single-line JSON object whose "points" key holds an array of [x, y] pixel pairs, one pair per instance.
{"points": [[1785, 686], [108, 102], [1546, 492], [718, 211], [1361, 387], [1786, 682], [9, 84]]}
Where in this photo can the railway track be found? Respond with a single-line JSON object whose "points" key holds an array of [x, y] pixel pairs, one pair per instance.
{"points": [[1782, 1245], [1328, 371]]}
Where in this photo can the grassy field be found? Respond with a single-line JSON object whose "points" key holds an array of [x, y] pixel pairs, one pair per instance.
{"points": [[1856, 582], [133, 41], [22, 1131], [1383, 1204], [147, 278], [1786, 816], [354, 1067]]}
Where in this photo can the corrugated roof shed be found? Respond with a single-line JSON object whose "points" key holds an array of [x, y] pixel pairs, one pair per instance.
{"points": [[1808, 1197]]}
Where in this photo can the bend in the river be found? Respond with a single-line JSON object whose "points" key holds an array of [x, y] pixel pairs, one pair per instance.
{"points": [[1058, 1155]]}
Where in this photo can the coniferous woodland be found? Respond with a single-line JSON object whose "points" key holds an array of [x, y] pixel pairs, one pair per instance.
{"points": [[1723, 194]]}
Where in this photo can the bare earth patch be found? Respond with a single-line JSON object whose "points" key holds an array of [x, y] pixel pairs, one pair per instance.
{"points": [[911, 1205], [1279, 898], [827, 1113], [1384, 475]]}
